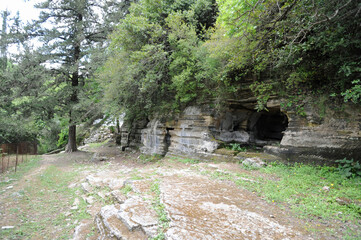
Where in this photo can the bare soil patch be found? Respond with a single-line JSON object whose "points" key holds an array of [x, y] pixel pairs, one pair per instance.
{"points": [[51, 201]]}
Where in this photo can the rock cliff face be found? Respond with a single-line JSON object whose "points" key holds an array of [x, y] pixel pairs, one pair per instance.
{"points": [[199, 130], [130, 136], [334, 134]]}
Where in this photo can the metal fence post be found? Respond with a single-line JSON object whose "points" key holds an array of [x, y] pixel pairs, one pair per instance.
{"points": [[8, 158], [17, 152], [22, 153], [2, 162]]}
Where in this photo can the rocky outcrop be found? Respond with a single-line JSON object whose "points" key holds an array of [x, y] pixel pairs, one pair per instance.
{"points": [[180, 203], [334, 134], [155, 138], [200, 131], [103, 129], [191, 132], [131, 135], [311, 137], [134, 219]]}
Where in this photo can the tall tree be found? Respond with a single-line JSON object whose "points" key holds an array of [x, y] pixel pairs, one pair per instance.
{"points": [[156, 65], [69, 30], [4, 40]]}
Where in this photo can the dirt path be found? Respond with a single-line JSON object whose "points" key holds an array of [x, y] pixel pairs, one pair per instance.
{"points": [[37, 203], [122, 198]]}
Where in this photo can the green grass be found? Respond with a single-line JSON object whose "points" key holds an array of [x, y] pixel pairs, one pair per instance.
{"points": [[126, 189], [299, 187], [22, 168], [96, 145], [46, 199], [145, 158], [184, 160], [302, 187], [159, 207], [135, 175]]}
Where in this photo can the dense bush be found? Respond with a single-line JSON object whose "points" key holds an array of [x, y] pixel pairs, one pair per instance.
{"points": [[170, 53]]}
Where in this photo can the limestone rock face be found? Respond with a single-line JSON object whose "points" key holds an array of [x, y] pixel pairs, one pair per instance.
{"points": [[154, 138], [335, 135], [199, 130], [236, 136], [191, 132], [131, 135], [101, 130]]}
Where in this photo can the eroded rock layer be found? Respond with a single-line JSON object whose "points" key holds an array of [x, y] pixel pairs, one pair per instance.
{"points": [[310, 136]]}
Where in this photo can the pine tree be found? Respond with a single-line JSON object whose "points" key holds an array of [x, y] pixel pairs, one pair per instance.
{"points": [[3, 41], [69, 30]]}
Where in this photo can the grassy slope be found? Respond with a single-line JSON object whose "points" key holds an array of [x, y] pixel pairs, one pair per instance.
{"points": [[43, 209]]}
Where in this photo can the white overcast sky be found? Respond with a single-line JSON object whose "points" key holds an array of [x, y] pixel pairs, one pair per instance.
{"points": [[25, 8], [26, 11]]}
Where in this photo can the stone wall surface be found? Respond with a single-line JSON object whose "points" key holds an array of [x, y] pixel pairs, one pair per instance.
{"points": [[335, 135], [154, 138], [101, 129], [199, 130], [131, 136]]}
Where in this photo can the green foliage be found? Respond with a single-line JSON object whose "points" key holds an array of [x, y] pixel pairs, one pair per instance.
{"points": [[167, 54], [354, 93], [64, 134], [63, 138], [112, 129], [293, 45], [19, 84], [14, 129], [349, 168], [48, 134], [126, 189], [263, 91], [301, 188], [295, 103], [156, 64], [159, 207], [236, 147], [149, 158]]}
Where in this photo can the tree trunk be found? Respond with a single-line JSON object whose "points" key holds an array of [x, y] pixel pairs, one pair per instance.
{"points": [[71, 147]]}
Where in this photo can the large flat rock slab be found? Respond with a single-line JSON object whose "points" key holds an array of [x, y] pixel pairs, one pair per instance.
{"points": [[110, 226], [199, 208]]}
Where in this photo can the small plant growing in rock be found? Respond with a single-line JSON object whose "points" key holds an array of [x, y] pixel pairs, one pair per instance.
{"points": [[159, 207], [144, 158], [349, 168], [126, 189], [112, 129], [237, 147]]}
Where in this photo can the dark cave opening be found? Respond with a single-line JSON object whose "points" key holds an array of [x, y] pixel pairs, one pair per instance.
{"points": [[270, 126], [167, 139]]}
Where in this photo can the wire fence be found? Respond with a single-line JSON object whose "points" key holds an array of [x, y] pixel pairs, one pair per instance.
{"points": [[12, 154]]}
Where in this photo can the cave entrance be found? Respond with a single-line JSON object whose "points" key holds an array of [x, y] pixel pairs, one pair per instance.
{"points": [[270, 126], [167, 139]]}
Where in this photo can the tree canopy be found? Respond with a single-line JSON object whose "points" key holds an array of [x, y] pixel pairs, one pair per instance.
{"points": [[156, 62], [153, 58], [305, 46], [167, 54]]}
